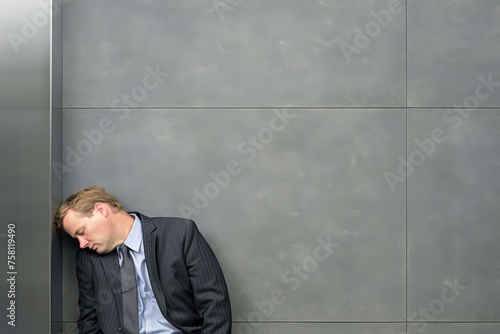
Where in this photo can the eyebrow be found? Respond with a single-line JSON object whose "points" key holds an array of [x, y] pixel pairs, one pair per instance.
{"points": [[76, 232]]}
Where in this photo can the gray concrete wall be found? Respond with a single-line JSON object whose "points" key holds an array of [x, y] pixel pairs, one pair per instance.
{"points": [[321, 146]]}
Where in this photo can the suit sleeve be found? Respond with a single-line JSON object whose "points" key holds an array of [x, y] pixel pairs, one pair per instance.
{"points": [[209, 287], [87, 322]]}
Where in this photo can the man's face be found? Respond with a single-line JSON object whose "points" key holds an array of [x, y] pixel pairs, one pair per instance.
{"points": [[97, 232]]}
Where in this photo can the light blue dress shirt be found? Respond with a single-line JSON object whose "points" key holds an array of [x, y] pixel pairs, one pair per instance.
{"points": [[151, 321]]}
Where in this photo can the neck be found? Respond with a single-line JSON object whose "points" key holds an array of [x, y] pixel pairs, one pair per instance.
{"points": [[125, 223]]}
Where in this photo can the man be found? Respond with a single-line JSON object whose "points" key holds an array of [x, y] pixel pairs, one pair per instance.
{"points": [[178, 286]]}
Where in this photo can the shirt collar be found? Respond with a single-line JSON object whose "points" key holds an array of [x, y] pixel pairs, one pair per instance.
{"points": [[134, 237]]}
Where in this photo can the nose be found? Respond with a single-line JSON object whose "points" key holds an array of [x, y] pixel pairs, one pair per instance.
{"points": [[83, 243]]}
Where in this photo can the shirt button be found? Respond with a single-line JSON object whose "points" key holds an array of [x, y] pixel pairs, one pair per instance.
{"points": [[144, 296]]}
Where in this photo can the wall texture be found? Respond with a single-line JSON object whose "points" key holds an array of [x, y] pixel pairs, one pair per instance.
{"points": [[341, 157]]}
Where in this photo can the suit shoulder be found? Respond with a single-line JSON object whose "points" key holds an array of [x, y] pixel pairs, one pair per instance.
{"points": [[85, 254], [84, 257], [174, 222], [175, 225], [168, 221], [82, 253]]}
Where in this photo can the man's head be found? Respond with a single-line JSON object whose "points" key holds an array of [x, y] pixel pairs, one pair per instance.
{"points": [[83, 202], [95, 218]]}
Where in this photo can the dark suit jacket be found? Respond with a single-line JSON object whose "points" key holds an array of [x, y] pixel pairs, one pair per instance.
{"points": [[185, 276]]}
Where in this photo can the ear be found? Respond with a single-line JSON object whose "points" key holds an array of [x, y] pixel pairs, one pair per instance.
{"points": [[101, 209]]}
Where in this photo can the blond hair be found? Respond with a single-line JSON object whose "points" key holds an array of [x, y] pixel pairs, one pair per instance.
{"points": [[83, 201]]}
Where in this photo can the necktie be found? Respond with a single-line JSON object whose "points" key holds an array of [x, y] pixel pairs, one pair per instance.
{"points": [[129, 292]]}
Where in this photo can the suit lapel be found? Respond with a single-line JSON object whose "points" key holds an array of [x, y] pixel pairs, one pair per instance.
{"points": [[149, 242]]}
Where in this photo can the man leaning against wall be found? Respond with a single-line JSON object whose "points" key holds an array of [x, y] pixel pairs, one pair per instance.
{"points": [[138, 274]]}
